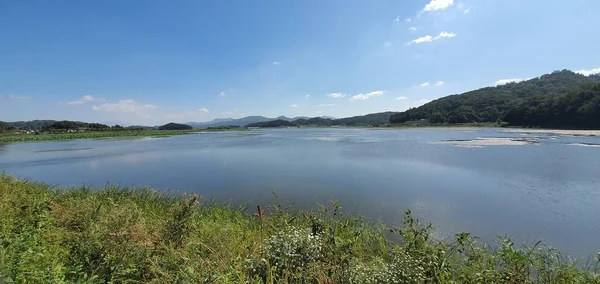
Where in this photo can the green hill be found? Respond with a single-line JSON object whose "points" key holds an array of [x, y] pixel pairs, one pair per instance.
{"points": [[491, 104], [174, 126], [578, 108], [272, 123]]}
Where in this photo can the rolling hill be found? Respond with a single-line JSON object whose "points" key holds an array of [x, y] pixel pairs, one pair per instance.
{"points": [[491, 104]]}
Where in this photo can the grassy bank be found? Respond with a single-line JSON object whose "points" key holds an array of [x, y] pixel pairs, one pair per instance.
{"points": [[8, 138], [139, 235]]}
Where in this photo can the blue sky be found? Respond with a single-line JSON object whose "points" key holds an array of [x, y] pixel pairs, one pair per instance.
{"points": [[151, 62]]}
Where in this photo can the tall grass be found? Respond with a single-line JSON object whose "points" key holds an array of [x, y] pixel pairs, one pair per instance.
{"points": [[133, 235]]}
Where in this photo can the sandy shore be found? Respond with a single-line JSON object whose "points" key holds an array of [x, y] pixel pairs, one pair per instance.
{"points": [[483, 142], [554, 131]]}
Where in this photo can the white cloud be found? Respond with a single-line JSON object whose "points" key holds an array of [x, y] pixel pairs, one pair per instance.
{"points": [[367, 96], [387, 44], [589, 72], [397, 20], [426, 84], [307, 96], [439, 83], [124, 106], [336, 95], [412, 29], [408, 20], [435, 5], [423, 101], [22, 99], [402, 98], [325, 105], [428, 38], [294, 106], [222, 94], [276, 62], [422, 39], [84, 99], [467, 11], [511, 80], [444, 35], [204, 110]]}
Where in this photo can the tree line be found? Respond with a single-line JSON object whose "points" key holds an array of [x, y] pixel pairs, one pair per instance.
{"points": [[492, 104]]}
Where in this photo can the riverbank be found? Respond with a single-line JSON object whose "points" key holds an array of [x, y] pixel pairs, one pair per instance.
{"points": [[9, 138], [115, 234]]}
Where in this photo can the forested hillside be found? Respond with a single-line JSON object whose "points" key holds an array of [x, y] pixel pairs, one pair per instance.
{"points": [[491, 104], [362, 120], [272, 123], [579, 108], [32, 125], [174, 126]]}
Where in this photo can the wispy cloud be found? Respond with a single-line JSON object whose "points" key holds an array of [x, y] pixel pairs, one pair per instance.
{"points": [[428, 38], [435, 5], [204, 110], [589, 71], [412, 29], [511, 80], [307, 96], [276, 62], [467, 11], [222, 94], [128, 105], [407, 20], [326, 105], [444, 35], [426, 84], [397, 20], [367, 96], [402, 98], [294, 106], [439, 83], [387, 44], [20, 99], [85, 99], [422, 39], [336, 95]]}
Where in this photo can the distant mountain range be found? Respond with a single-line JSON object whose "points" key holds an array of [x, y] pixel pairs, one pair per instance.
{"points": [[221, 122]]}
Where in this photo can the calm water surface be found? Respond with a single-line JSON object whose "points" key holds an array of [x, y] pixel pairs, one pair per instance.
{"points": [[548, 191]]}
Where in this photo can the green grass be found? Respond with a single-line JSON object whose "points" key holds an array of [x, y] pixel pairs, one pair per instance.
{"points": [[139, 235], [8, 138]]}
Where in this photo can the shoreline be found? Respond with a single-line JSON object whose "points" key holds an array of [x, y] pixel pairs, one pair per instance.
{"points": [[125, 234]]}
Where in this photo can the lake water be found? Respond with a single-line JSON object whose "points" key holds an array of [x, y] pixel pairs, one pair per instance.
{"points": [[549, 190]]}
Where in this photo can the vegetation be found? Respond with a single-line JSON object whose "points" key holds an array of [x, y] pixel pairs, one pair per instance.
{"points": [[87, 135], [578, 108], [272, 123], [32, 125], [381, 118], [174, 126], [4, 126], [491, 104], [126, 235]]}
